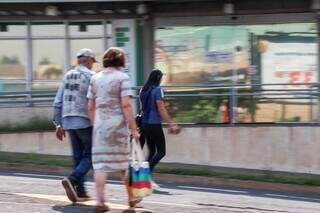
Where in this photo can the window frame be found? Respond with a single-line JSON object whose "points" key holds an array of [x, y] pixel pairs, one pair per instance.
{"points": [[29, 38]]}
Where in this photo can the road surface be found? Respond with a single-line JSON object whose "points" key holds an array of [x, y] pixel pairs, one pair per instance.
{"points": [[33, 193]]}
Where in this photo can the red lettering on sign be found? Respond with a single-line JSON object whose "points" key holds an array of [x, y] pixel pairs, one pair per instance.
{"points": [[294, 77], [308, 77]]}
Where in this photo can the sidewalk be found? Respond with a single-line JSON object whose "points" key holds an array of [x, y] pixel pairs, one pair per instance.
{"points": [[180, 179]]}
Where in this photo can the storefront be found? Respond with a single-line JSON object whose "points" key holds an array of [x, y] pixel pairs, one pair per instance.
{"points": [[209, 43]]}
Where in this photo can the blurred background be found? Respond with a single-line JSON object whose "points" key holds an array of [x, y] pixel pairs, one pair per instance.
{"points": [[224, 61]]}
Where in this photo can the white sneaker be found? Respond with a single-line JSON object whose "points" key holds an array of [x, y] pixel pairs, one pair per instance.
{"points": [[154, 185]]}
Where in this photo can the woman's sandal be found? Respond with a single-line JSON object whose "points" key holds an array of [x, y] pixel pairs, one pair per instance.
{"points": [[134, 202], [103, 208]]}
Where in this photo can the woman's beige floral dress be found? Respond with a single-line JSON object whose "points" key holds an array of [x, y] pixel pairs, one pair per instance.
{"points": [[110, 148]]}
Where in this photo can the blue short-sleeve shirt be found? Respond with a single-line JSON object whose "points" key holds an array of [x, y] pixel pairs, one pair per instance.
{"points": [[149, 99]]}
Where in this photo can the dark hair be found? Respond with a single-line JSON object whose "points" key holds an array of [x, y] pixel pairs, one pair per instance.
{"points": [[153, 80], [114, 57]]}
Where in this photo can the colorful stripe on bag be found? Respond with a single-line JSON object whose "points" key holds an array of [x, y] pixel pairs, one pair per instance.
{"points": [[140, 170], [142, 174], [141, 177], [141, 192], [141, 184]]}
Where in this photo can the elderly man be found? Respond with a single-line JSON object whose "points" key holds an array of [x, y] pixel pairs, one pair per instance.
{"points": [[71, 115]]}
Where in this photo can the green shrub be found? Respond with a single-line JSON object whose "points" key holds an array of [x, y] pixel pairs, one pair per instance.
{"points": [[34, 124]]}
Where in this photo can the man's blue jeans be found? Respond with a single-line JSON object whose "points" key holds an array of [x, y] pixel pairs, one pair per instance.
{"points": [[81, 142]]}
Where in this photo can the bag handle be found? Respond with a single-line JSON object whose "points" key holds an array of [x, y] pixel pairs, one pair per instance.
{"points": [[136, 152]]}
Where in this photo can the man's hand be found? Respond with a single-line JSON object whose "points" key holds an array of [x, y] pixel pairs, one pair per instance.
{"points": [[60, 133]]}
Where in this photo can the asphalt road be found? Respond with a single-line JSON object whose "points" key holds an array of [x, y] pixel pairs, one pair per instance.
{"points": [[21, 192]]}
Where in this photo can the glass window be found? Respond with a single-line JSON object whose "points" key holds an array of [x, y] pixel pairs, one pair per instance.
{"points": [[48, 59], [48, 29], [247, 54], [12, 59], [193, 55], [284, 54], [12, 29], [95, 44], [86, 29], [288, 53], [199, 110]]}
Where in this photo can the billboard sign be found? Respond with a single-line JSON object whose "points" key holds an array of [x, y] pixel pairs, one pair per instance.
{"points": [[289, 63]]}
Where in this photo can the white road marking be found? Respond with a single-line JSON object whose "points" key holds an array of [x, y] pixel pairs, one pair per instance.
{"points": [[212, 189], [37, 175], [62, 198], [294, 197], [173, 204], [58, 176], [24, 203]]}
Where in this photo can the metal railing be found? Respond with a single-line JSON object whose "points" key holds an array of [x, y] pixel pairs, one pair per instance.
{"points": [[257, 94], [31, 98]]}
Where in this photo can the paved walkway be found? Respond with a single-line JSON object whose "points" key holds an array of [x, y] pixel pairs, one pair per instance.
{"points": [[20, 192]]}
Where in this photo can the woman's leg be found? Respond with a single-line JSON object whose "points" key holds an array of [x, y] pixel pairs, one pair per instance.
{"points": [[100, 179], [148, 132], [132, 201], [125, 180], [159, 143]]}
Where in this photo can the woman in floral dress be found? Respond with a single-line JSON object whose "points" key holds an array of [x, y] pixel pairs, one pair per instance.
{"points": [[111, 113]]}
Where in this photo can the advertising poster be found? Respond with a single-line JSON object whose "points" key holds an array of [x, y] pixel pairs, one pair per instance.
{"points": [[289, 63], [202, 55]]}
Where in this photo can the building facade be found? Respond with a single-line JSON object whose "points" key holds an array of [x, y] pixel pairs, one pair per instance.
{"points": [[254, 46]]}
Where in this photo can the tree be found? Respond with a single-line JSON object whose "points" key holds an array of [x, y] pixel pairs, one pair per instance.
{"points": [[44, 61], [9, 60], [52, 71]]}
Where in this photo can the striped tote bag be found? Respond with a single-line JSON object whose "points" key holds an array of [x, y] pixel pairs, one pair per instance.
{"points": [[139, 172]]}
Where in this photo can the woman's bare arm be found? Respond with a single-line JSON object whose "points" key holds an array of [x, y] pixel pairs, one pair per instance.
{"points": [[163, 112], [91, 110], [173, 128], [128, 114]]}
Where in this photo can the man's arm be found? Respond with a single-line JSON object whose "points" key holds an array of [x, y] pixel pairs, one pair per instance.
{"points": [[57, 114]]}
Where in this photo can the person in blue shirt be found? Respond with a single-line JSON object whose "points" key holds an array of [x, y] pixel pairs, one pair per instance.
{"points": [[71, 116], [153, 111]]}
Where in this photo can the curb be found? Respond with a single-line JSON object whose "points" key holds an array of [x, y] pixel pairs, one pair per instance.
{"points": [[181, 179]]}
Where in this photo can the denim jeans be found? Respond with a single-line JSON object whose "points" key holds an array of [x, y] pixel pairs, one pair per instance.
{"points": [[81, 143]]}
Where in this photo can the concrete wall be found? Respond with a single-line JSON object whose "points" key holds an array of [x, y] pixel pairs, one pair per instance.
{"points": [[287, 149], [21, 115], [34, 142]]}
